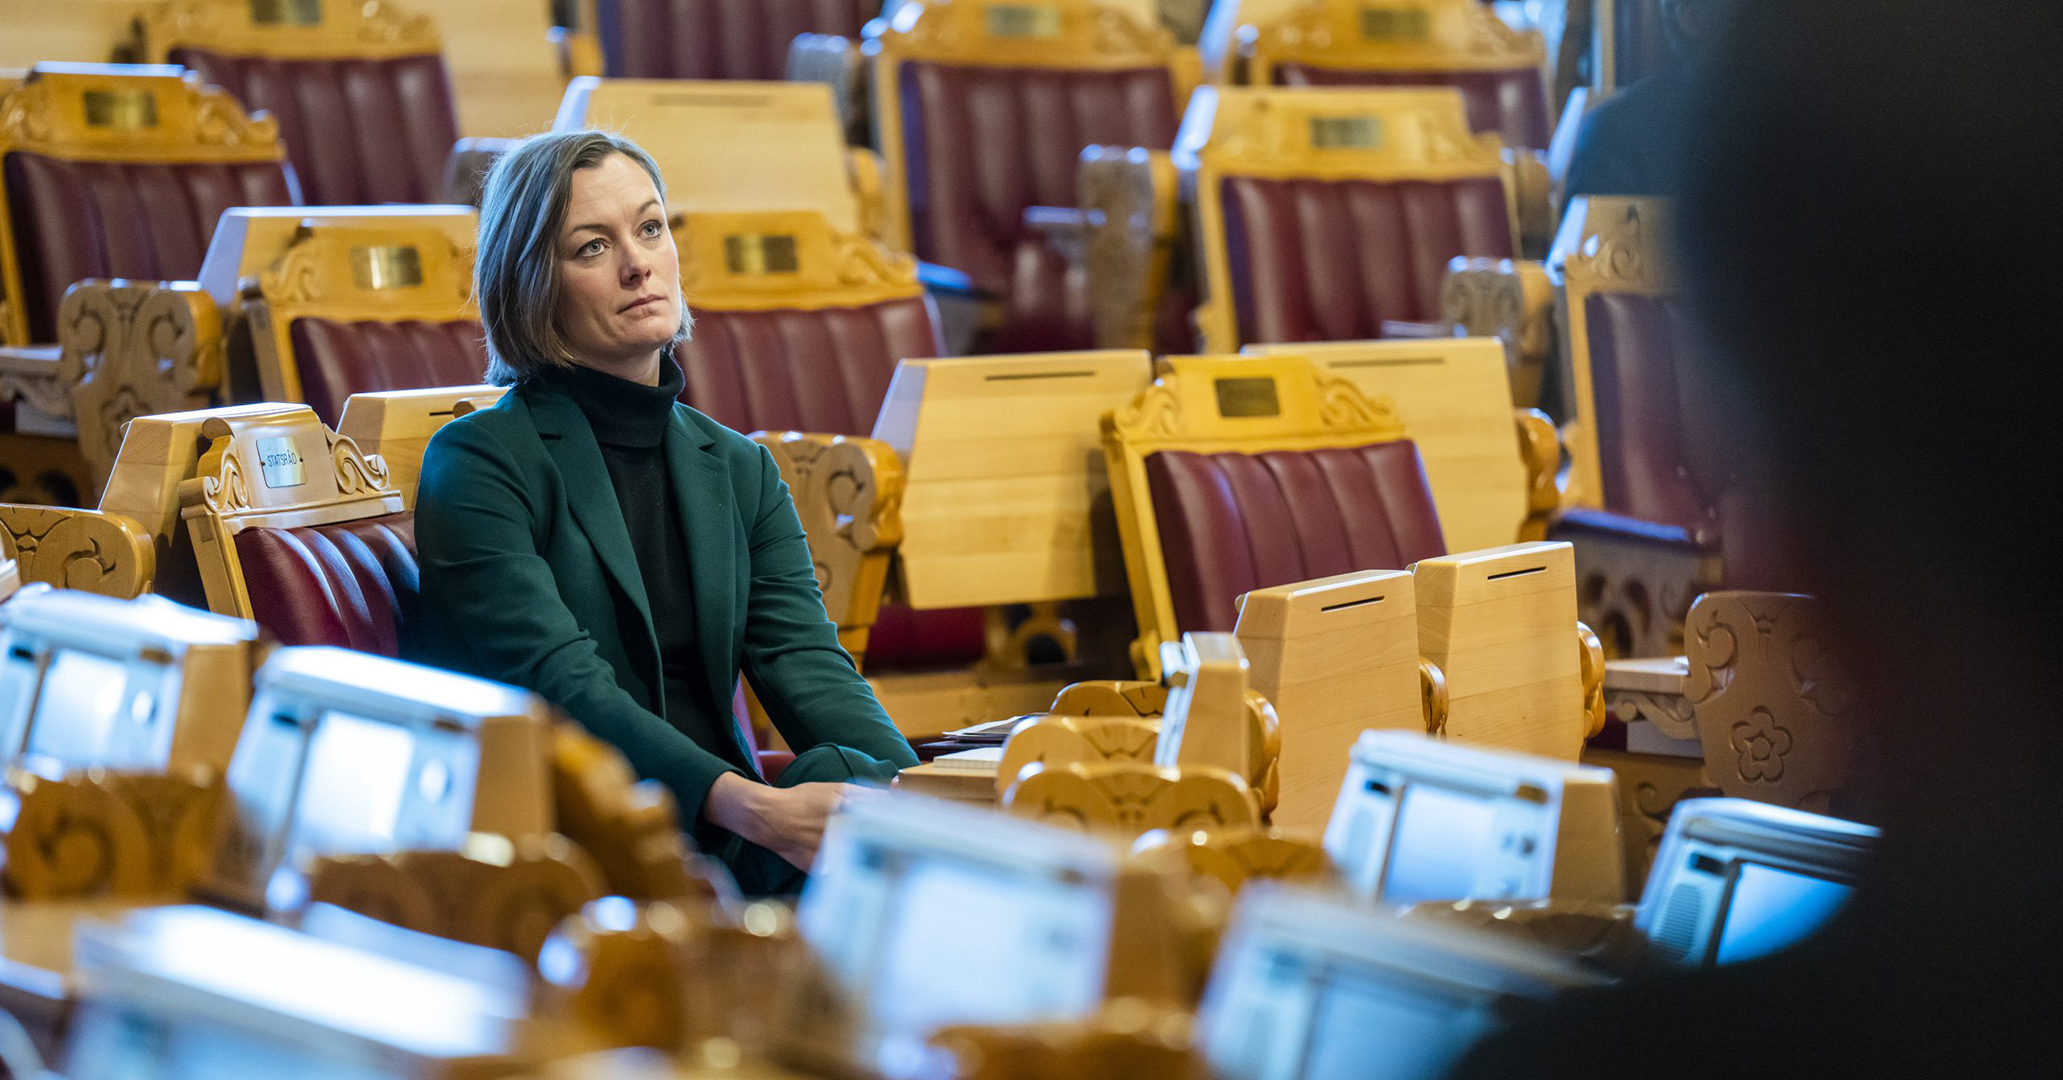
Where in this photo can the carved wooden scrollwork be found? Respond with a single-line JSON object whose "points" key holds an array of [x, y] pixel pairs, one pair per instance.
{"points": [[34, 376], [1621, 248], [848, 492], [135, 350], [629, 827], [1593, 673], [511, 902], [36, 117], [80, 549], [358, 473], [1540, 448], [1129, 799], [1635, 592], [1432, 697], [232, 26], [1772, 705], [102, 834], [1237, 856]]}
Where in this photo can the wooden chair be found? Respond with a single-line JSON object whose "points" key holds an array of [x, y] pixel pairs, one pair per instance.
{"points": [[1236, 857], [983, 108], [1231, 474], [712, 39], [1126, 800], [397, 425], [507, 66], [82, 148], [360, 90]]}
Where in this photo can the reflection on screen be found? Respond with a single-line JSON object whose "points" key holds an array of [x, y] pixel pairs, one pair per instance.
{"points": [[352, 785], [75, 709], [973, 945], [1772, 908], [1368, 1027], [1440, 839]]}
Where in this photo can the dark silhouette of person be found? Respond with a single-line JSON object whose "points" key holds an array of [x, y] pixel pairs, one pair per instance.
{"points": [[1628, 143]]}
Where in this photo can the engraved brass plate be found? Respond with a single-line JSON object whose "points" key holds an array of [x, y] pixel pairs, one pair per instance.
{"points": [[1396, 24], [123, 110], [286, 12], [396, 266], [1345, 132], [1024, 21], [279, 461], [752, 254], [1247, 397]]}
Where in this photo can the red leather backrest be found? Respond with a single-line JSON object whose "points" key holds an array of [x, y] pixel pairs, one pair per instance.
{"points": [[339, 359], [1510, 104], [1323, 260], [357, 131], [717, 39], [982, 144], [818, 369], [1639, 409], [87, 219], [1230, 523], [350, 584]]}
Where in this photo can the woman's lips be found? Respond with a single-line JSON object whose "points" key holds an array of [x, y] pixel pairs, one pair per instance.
{"points": [[639, 304]]}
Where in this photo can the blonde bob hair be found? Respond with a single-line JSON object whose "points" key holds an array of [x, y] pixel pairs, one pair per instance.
{"points": [[516, 265]]}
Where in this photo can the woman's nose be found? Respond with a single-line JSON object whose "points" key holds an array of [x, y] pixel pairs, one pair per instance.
{"points": [[637, 266]]}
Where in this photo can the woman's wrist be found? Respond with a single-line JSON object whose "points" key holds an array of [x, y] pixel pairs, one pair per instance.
{"points": [[733, 804]]}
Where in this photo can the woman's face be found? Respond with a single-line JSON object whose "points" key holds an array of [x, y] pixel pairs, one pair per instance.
{"points": [[619, 297]]}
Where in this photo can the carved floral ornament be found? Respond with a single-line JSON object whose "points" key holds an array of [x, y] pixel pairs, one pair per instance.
{"points": [[227, 491], [1622, 245], [33, 119]]}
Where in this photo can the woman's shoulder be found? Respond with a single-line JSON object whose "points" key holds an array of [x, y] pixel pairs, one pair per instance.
{"points": [[724, 441], [496, 430]]}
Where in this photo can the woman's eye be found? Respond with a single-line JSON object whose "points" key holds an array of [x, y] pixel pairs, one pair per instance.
{"points": [[592, 247], [651, 228]]}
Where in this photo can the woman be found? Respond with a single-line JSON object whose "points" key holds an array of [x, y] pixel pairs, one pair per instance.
{"points": [[616, 551]]}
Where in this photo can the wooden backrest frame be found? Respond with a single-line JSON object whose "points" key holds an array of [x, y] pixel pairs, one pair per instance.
{"points": [[1607, 244], [1416, 35], [1184, 409], [1273, 133], [339, 29], [396, 425], [783, 259], [117, 113]]}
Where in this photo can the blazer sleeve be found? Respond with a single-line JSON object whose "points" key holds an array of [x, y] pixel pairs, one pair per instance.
{"points": [[477, 544], [804, 678]]}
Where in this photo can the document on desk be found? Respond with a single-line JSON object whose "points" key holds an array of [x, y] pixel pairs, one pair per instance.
{"points": [[981, 759]]}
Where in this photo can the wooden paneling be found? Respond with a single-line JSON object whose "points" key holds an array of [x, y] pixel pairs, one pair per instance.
{"points": [[1501, 626]]}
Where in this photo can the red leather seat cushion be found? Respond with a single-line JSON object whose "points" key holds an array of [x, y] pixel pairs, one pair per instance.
{"points": [[717, 39], [1230, 522], [88, 219], [908, 638], [357, 131], [350, 584], [1509, 104], [983, 144], [338, 359], [820, 369], [1320, 260], [1639, 410]]}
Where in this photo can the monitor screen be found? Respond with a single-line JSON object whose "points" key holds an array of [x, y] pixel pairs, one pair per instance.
{"points": [[1771, 909], [76, 706], [353, 781], [1441, 837], [1364, 1025], [969, 943]]}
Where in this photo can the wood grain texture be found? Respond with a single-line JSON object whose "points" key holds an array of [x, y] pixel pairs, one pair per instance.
{"points": [[397, 425], [504, 67], [1125, 800], [1499, 624], [1007, 497]]}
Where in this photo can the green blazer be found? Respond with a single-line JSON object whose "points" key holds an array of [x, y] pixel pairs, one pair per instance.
{"points": [[528, 578]]}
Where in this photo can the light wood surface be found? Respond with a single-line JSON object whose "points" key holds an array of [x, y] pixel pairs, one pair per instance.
{"points": [[1337, 656], [504, 67], [509, 900], [847, 491], [1125, 799], [1053, 739], [1453, 396], [90, 550], [1234, 857], [397, 425], [1008, 500], [368, 29], [249, 239], [728, 145], [1205, 721], [769, 260], [1499, 624], [1211, 404], [1388, 35], [77, 31]]}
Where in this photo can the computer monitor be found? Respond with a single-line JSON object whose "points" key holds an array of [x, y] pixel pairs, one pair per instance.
{"points": [[1736, 879], [88, 681], [1316, 987], [926, 913], [1423, 820], [350, 753]]}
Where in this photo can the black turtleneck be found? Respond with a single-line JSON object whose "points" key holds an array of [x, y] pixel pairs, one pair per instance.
{"points": [[629, 421]]}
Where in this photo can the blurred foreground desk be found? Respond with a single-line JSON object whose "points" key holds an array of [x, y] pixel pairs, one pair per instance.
{"points": [[36, 963]]}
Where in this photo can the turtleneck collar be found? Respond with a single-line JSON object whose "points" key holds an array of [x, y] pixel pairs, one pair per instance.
{"points": [[621, 412]]}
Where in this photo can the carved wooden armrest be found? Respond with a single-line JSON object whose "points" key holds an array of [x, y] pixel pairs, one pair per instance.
{"points": [[1112, 697], [465, 171], [1592, 668], [1540, 448], [864, 167], [136, 348], [1432, 697], [1127, 799], [108, 834], [1234, 857], [848, 491], [1131, 209], [34, 376], [1636, 580], [1532, 188], [498, 893], [1054, 739], [629, 827], [1512, 301], [90, 550], [1129, 1039], [838, 63], [1775, 711]]}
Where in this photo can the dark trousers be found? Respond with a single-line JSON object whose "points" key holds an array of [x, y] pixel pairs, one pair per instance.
{"points": [[759, 871]]}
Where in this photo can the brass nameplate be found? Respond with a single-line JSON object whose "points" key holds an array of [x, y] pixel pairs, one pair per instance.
{"points": [[123, 110], [1024, 21], [1345, 133], [753, 254], [1396, 24], [1247, 397], [286, 12], [394, 266], [279, 461]]}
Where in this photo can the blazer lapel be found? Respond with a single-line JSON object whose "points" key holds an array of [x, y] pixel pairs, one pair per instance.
{"points": [[702, 496], [589, 492]]}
